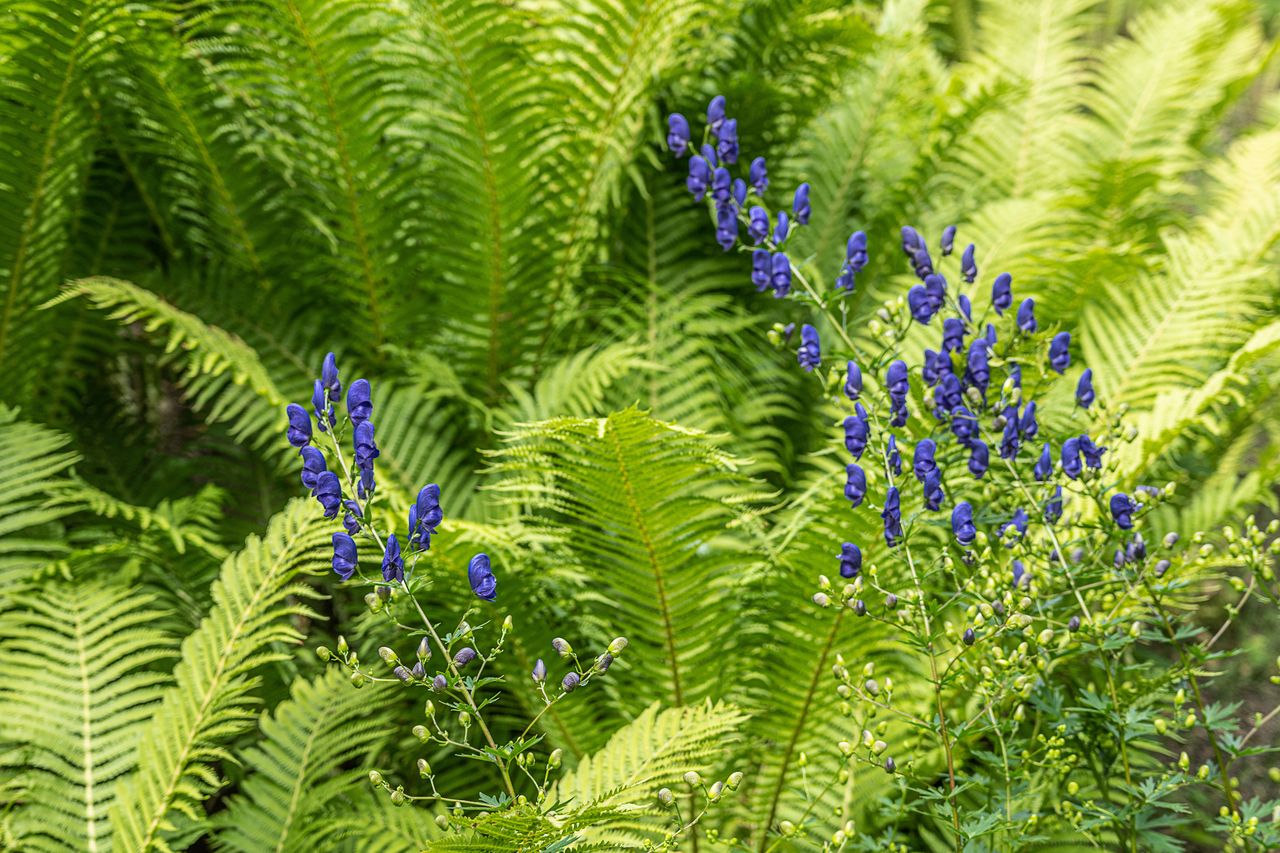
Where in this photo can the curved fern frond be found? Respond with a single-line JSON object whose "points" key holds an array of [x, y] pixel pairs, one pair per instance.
{"points": [[254, 599], [36, 459]]}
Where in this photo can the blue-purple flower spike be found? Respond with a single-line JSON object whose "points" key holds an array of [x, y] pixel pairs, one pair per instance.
{"points": [[810, 353], [299, 432], [483, 583], [800, 205], [678, 134]]}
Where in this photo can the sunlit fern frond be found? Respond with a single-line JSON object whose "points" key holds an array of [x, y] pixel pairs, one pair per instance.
{"points": [[255, 601], [36, 463], [78, 688]]}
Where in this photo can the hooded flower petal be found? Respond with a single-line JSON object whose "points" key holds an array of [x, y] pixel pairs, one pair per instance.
{"points": [[1027, 316], [892, 516], [850, 560], [1002, 293], [1084, 389], [853, 381], [483, 583], [345, 559], [800, 205], [727, 141], [948, 241], [962, 523], [809, 354], [677, 134], [299, 432], [761, 269], [699, 176], [855, 488], [1060, 352], [328, 490], [359, 406], [781, 277], [968, 268], [392, 561], [758, 175]]}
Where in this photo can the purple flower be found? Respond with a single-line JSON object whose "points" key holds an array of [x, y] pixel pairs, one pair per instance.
{"points": [[1018, 522], [740, 192], [721, 186], [856, 434], [898, 412], [1122, 509], [782, 229], [329, 492], [366, 449], [359, 406], [911, 241], [929, 368], [922, 460], [978, 372], [845, 280], [1044, 467], [856, 251], [855, 488], [781, 277], [965, 307], [758, 224], [1002, 293], [850, 560], [344, 555], [1015, 373], [539, 673], [952, 334], [727, 142], [948, 240], [936, 286], [1071, 458], [299, 431], [677, 134], [1010, 441], [570, 682], [464, 656], [761, 263], [853, 381], [392, 562], [1053, 509], [1092, 452], [352, 517], [1060, 352], [895, 378], [921, 263], [892, 516], [726, 227], [933, 495], [892, 457], [979, 458], [425, 516], [1028, 425], [715, 113], [920, 304], [962, 523], [1084, 389], [312, 466], [964, 424], [483, 583], [758, 175], [708, 153], [699, 176], [364, 488], [1027, 315], [1020, 572], [321, 407], [809, 354], [329, 377], [800, 205], [967, 267]]}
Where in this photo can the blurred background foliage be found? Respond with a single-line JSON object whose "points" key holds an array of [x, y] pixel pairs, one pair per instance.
{"points": [[468, 202]]}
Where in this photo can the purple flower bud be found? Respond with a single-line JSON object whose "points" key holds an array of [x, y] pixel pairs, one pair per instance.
{"points": [[1084, 389], [969, 637], [1092, 452], [708, 153], [936, 287], [962, 523], [715, 113], [949, 395], [892, 457], [699, 176], [921, 263], [964, 424], [570, 682], [758, 175], [464, 657], [726, 227], [761, 265], [1018, 522], [855, 488], [845, 280], [1053, 509], [892, 516], [721, 187], [329, 492], [968, 268], [678, 134], [344, 555], [965, 307], [419, 672], [299, 431], [1060, 352], [321, 408], [1122, 509], [856, 434], [402, 672], [392, 562], [439, 683], [1002, 293], [1044, 467], [978, 371], [853, 382], [758, 224], [329, 377], [312, 466], [739, 192], [366, 448], [1136, 550], [991, 335], [952, 334], [979, 458], [933, 494], [351, 519], [782, 229], [850, 560], [1028, 425], [359, 406], [1027, 316], [603, 663], [1019, 572], [1011, 440], [800, 205], [922, 460], [911, 241], [948, 240], [727, 141], [809, 354], [483, 583], [1071, 458], [539, 671]]}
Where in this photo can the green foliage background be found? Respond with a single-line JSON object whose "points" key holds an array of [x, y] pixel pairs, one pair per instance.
{"points": [[468, 202]]}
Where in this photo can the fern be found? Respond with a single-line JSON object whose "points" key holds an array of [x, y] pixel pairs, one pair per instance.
{"points": [[36, 462]]}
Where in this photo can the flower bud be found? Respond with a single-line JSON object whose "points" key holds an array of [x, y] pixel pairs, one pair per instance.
{"points": [[323, 653], [787, 828], [562, 647], [666, 798], [429, 709], [357, 679], [424, 650], [424, 768], [397, 796], [375, 778], [1073, 624], [692, 779], [821, 599], [890, 765], [373, 603], [557, 756], [890, 601], [539, 671], [388, 655], [734, 780], [507, 624], [570, 682], [439, 683], [715, 791], [617, 646], [860, 607], [878, 747], [969, 637], [421, 733], [418, 672], [603, 663], [442, 821]]}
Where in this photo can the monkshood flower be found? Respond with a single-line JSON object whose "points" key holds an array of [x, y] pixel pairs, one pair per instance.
{"points": [[1018, 523], [948, 240], [1122, 509], [359, 406], [677, 134], [1053, 509], [1060, 352], [715, 113], [299, 432], [952, 334], [966, 308], [949, 395], [930, 369], [895, 379], [344, 555], [758, 224], [1002, 293], [1071, 458], [922, 460], [1011, 439], [1044, 466], [783, 228], [699, 176], [425, 516], [1084, 389], [845, 280], [892, 516], [392, 561], [781, 277], [920, 304], [964, 424], [726, 227], [759, 176], [322, 408], [856, 434], [855, 488], [727, 141], [483, 583], [978, 371], [364, 488], [853, 381], [1027, 424], [1136, 550], [312, 467], [761, 268], [933, 494], [740, 192], [1020, 574], [329, 377], [570, 682], [892, 457], [366, 449], [539, 673], [352, 517], [1027, 316], [979, 458], [850, 560], [911, 241], [936, 287], [721, 186], [800, 205], [856, 251], [708, 153], [922, 263], [1092, 452], [328, 490], [809, 354], [968, 268], [464, 656], [962, 523]]}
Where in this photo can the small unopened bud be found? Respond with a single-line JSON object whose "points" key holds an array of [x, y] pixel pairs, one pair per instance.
{"points": [[715, 792], [464, 718], [557, 756], [375, 778], [603, 663], [570, 682], [871, 686], [890, 601], [323, 653], [734, 780], [424, 768], [1184, 761], [1162, 567], [539, 671], [821, 599], [890, 765], [617, 646], [397, 797], [464, 657], [429, 709], [787, 828], [357, 679], [507, 624], [384, 592], [421, 733], [419, 672], [388, 655], [860, 607], [1073, 624], [342, 646], [439, 683], [402, 673], [969, 636], [666, 798], [442, 821], [879, 747], [692, 779], [424, 649], [374, 603], [562, 647]]}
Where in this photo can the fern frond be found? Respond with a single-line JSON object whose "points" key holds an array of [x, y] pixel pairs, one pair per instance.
{"points": [[36, 460], [254, 601]]}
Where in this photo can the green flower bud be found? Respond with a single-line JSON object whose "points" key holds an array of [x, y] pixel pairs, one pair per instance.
{"points": [[507, 624], [424, 768], [666, 798], [424, 649], [734, 780], [375, 778], [324, 654], [388, 655], [342, 646], [787, 828], [397, 797], [715, 791], [442, 821], [557, 755], [821, 599], [421, 733], [357, 679], [1184, 761], [618, 645], [373, 603], [692, 778]]}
